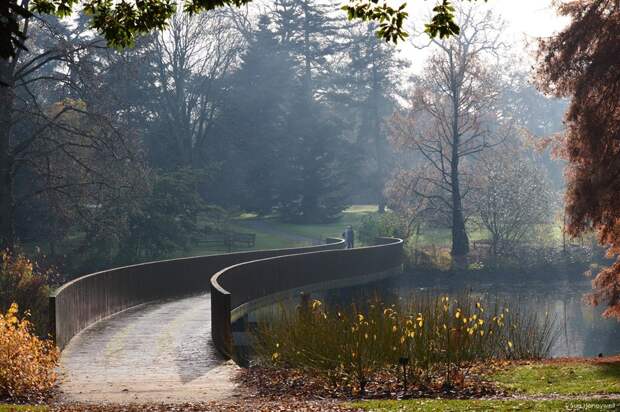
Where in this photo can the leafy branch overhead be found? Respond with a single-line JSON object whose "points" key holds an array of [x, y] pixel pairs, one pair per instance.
{"points": [[120, 22]]}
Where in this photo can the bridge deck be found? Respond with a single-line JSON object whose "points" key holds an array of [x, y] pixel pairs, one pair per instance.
{"points": [[155, 352]]}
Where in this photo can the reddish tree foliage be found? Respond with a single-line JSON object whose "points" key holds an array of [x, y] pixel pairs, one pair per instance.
{"points": [[583, 62]]}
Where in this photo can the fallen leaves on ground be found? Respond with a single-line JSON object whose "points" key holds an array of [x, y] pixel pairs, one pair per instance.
{"points": [[253, 405], [277, 383]]}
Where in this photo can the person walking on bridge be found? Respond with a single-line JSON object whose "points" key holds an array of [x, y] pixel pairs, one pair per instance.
{"points": [[349, 237]]}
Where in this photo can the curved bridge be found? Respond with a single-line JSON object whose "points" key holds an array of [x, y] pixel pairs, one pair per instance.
{"points": [[161, 331]]}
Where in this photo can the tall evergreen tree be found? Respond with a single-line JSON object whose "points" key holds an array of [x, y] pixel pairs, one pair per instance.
{"points": [[255, 121], [364, 93], [313, 189]]}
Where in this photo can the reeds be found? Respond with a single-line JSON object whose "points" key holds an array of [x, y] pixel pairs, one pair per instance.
{"points": [[425, 334]]}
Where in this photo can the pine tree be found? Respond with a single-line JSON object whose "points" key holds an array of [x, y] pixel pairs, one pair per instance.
{"points": [[313, 189], [364, 93], [257, 110]]}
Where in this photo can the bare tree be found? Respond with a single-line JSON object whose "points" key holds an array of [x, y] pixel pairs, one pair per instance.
{"points": [[452, 117], [514, 197], [191, 58]]}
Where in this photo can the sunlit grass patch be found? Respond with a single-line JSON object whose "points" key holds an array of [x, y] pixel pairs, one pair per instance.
{"points": [[22, 408], [562, 378], [442, 405]]}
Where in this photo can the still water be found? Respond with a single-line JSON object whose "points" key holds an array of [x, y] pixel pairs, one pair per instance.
{"points": [[581, 331]]}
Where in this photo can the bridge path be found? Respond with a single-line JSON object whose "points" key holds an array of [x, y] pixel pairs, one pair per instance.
{"points": [[157, 352]]}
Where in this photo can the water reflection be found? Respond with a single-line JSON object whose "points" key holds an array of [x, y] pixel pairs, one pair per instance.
{"points": [[581, 329]]}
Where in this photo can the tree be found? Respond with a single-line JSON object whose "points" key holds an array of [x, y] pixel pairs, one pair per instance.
{"points": [[69, 148], [254, 122], [121, 23], [452, 117], [513, 197], [364, 90], [313, 189], [190, 61], [536, 116], [583, 63]]}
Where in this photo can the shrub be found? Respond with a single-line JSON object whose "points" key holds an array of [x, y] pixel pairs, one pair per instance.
{"points": [[385, 224], [436, 335], [23, 283], [27, 363]]}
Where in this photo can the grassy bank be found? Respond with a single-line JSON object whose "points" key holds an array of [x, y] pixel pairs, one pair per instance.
{"points": [[22, 408], [563, 378], [442, 405]]}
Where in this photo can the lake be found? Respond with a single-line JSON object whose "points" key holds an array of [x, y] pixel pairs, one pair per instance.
{"points": [[581, 329]]}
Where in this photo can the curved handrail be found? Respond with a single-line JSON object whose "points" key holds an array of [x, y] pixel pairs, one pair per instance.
{"points": [[92, 297], [247, 282]]}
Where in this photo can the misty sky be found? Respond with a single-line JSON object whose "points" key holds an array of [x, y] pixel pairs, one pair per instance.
{"points": [[525, 20]]}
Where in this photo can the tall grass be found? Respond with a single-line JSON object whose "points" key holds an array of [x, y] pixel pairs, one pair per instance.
{"points": [[430, 334]]}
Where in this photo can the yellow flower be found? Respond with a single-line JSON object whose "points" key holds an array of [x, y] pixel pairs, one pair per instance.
{"points": [[481, 333], [394, 328], [316, 304], [480, 321], [510, 344], [360, 317], [457, 314]]}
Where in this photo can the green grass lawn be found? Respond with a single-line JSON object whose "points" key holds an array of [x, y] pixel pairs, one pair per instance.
{"points": [[442, 405], [22, 408], [563, 378], [351, 216]]}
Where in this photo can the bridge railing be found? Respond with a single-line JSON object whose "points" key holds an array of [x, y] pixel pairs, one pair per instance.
{"points": [[237, 286], [90, 298]]}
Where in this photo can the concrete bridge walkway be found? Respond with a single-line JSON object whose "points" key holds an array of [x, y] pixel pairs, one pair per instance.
{"points": [[156, 352]]}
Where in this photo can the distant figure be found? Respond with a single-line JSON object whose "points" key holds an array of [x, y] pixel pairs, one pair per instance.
{"points": [[349, 237]]}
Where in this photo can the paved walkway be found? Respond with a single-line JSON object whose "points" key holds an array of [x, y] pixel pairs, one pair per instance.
{"points": [[158, 352]]}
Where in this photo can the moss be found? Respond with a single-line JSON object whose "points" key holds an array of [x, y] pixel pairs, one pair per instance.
{"points": [[562, 378], [442, 405]]}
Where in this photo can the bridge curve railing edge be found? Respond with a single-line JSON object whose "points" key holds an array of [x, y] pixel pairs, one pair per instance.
{"points": [[88, 299], [248, 281]]}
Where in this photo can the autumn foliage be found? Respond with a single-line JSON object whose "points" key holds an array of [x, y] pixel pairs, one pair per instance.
{"points": [[27, 363], [24, 283], [583, 63]]}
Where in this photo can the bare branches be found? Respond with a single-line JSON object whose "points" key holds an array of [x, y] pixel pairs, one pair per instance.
{"points": [[191, 58]]}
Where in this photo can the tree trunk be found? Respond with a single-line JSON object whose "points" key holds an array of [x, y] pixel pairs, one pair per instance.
{"points": [[460, 241], [378, 139], [307, 79], [7, 207]]}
